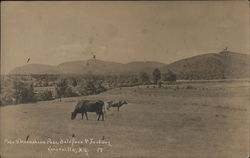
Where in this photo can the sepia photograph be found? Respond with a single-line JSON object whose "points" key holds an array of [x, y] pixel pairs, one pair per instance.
{"points": [[124, 79]]}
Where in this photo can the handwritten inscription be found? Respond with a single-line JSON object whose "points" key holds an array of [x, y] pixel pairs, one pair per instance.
{"points": [[68, 149], [65, 145]]}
